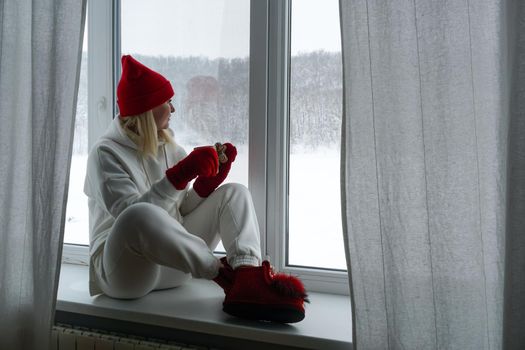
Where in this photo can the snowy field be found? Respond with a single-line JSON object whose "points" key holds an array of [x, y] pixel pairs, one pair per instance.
{"points": [[315, 214]]}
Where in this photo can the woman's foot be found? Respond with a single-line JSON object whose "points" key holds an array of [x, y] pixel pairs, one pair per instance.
{"points": [[260, 294]]}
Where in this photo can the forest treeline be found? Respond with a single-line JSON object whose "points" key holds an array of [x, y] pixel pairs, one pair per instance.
{"points": [[211, 99]]}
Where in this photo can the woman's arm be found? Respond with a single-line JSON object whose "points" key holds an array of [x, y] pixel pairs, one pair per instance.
{"points": [[118, 190]]}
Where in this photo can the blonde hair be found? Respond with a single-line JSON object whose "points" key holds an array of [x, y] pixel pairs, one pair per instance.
{"points": [[142, 130]]}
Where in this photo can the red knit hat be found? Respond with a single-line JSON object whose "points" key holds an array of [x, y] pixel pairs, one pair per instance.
{"points": [[140, 88]]}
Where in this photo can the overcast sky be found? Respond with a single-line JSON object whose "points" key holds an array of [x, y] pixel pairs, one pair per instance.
{"points": [[219, 28]]}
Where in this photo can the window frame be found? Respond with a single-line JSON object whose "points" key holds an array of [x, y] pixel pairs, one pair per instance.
{"points": [[268, 123], [278, 21]]}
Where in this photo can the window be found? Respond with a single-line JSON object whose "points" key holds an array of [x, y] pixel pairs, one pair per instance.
{"points": [[255, 74], [202, 47], [302, 46]]}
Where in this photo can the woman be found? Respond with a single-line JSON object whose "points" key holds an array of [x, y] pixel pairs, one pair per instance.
{"points": [[150, 230]]}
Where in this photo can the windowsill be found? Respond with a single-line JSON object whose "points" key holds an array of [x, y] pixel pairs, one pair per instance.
{"points": [[197, 307]]}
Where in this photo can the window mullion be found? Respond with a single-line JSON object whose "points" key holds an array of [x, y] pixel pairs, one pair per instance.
{"points": [[258, 115], [100, 67], [277, 148]]}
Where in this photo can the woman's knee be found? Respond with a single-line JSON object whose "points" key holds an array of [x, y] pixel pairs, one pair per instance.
{"points": [[139, 212], [140, 217], [235, 190]]}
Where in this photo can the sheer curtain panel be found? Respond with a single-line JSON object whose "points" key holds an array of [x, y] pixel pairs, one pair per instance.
{"points": [[433, 172], [40, 51]]}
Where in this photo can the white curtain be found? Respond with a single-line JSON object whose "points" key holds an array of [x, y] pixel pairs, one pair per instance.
{"points": [[433, 172], [40, 51]]}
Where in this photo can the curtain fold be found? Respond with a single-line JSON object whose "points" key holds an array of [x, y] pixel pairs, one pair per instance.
{"points": [[433, 172], [514, 296], [40, 52]]}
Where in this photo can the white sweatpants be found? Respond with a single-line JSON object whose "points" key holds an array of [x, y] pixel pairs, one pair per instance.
{"points": [[148, 249]]}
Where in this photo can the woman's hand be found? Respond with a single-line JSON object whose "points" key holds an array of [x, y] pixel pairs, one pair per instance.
{"points": [[202, 161], [205, 185]]}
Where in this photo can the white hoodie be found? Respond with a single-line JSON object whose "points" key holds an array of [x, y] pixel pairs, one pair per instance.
{"points": [[117, 177]]}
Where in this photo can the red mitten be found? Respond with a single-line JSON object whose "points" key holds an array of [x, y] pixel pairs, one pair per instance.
{"points": [[202, 161], [205, 185]]}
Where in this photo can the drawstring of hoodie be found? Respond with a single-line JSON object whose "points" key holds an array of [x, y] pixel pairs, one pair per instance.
{"points": [[165, 155], [145, 171]]}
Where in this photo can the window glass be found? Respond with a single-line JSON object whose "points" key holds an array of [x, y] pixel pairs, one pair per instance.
{"points": [[315, 236], [202, 47], [77, 224]]}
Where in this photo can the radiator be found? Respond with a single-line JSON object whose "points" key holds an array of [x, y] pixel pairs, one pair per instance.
{"points": [[66, 337]]}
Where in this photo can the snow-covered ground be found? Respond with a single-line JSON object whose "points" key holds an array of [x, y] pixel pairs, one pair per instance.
{"points": [[315, 214]]}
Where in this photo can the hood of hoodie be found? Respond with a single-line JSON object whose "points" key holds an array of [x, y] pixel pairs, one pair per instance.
{"points": [[116, 133]]}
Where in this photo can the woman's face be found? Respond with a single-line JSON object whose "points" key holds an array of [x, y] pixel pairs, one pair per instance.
{"points": [[162, 114]]}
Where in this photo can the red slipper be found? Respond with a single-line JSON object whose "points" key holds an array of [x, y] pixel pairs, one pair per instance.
{"points": [[260, 294]]}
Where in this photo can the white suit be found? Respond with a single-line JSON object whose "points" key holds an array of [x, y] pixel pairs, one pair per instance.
{"points": [[145, 234]]}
